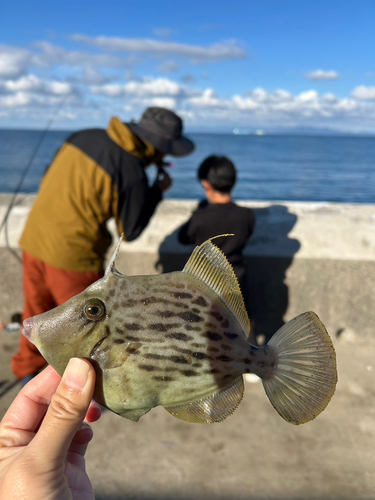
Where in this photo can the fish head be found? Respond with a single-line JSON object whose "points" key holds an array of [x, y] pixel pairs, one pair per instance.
{"points": [[77, 328]]}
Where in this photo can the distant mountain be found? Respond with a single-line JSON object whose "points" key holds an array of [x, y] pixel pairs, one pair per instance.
{"points": [[315, 131], [308, 131]]}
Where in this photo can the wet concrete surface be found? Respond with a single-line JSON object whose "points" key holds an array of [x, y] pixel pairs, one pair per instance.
{"points": [[253, 455]]}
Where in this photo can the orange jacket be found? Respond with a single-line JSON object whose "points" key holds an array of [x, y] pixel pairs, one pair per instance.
{"points": [[96, 174]]}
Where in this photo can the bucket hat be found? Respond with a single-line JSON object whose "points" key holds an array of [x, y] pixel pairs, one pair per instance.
{"points": [[162, 129]]}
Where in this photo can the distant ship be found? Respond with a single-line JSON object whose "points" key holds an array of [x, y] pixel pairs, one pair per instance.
{"points": [[244, 131], [239, 131]]}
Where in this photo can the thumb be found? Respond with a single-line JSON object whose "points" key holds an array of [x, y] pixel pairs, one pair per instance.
{"points": [[65, 414]]}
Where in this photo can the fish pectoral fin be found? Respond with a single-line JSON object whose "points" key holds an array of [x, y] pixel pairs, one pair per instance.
{"points": [[134, 415], [211, 409], [209, 264], [118, 354]]}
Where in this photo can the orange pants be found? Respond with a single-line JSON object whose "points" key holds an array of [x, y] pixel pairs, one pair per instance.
{"points": [[45, 287]]}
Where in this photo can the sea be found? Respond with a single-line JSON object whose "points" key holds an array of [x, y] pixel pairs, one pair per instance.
{"points": [[270, 167]]}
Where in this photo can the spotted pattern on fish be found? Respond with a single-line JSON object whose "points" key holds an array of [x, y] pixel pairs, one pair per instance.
{"points": [[147, 368], [181, 295], [165, 314], [162, 327], [178, 336], [213, 336], [190, 316], [132, 326], [200, 301], [170, 333], [192, 328], [190, 373], [217, 316]]}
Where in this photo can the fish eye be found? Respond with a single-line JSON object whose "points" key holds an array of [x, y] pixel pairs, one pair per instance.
{"points": [[94, 310]]}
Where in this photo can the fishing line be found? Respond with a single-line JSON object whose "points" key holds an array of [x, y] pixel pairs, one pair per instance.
{"points": [[4, 223]]}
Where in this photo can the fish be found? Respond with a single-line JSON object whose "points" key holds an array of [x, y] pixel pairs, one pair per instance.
{"points": [[180, 340]]}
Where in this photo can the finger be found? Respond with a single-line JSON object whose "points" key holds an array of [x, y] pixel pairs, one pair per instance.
{"points": [[65, 414], [31, 403], [81, 440], [93, 413]]}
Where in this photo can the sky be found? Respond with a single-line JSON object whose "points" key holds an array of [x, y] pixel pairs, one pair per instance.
{"points": [[275, 65]]}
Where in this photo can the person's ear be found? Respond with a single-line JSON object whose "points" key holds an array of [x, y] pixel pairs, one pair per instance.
{"points": [[206, 185]]}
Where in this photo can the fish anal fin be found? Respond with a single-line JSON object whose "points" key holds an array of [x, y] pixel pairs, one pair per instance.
{"points": [[134, 414], [211, 409], [209, 264]]}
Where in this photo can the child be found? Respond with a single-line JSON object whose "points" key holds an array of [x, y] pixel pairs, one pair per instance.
{"points": [[218, 214]]}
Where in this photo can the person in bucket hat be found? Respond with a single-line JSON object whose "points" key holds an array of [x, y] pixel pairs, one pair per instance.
{"points": [[97, 174], [163, 129]]}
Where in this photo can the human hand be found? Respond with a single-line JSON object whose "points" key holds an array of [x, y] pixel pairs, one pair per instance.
{"points": [[43, 440], [163, 179]]}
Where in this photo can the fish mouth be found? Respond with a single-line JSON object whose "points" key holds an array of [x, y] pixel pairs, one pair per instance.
{"points": [[28, 328]]}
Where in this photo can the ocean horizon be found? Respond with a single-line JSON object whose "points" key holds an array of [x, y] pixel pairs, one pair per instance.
{"points": [[295, 167]]}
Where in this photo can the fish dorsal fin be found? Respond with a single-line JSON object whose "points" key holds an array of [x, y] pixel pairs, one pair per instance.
{"points": [[111, 265], [214, 408], [209, 264]]}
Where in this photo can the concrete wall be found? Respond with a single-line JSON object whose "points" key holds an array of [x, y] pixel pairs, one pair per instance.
{"points": [[302, 256]]}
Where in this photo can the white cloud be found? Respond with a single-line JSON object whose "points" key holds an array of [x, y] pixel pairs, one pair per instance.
{"points": [[93, 77], [13, 61], [16, 100], [49, 55], [319, 75], [364, 93], [146, 88], [207, 99], [96, 85], [259, 95], [308, 96], [346, 105], [109, 89], [329, 98], [281, 94], [195, 53], [159, 86], [244, 104], [163, 102], [33, 84]]}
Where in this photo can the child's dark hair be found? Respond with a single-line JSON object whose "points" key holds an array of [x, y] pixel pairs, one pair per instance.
{"points": [[219, 171]]}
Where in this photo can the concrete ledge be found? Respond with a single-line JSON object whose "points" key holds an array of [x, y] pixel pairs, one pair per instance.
{"points": [[302, 256]]}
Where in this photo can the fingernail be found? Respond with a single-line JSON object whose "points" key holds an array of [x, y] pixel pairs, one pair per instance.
{"points": [[84, 426], [76, 373]]}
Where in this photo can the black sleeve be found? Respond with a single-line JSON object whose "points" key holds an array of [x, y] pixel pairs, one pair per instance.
{"points": [[136, 206]]}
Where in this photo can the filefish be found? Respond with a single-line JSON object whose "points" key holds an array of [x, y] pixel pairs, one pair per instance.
{"points": [[180, 340]]}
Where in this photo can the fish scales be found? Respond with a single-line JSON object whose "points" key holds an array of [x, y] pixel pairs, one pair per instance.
{"points": [[181, 335], [180, 340]]}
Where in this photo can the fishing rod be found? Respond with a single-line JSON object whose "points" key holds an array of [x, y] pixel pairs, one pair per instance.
{"points": [[4, 223]]}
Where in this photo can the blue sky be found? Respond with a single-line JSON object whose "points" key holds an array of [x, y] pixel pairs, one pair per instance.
{"points": [[249, 64]]}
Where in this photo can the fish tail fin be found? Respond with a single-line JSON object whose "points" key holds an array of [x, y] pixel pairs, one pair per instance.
{"points": [[305, 374]]}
